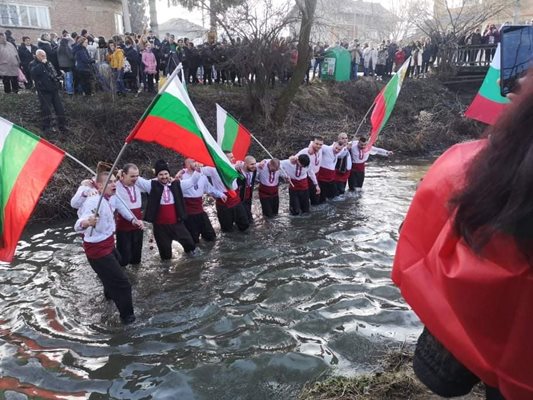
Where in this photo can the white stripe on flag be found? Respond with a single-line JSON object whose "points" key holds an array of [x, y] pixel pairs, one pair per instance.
{"points": [[221, 120], [5, 128]]}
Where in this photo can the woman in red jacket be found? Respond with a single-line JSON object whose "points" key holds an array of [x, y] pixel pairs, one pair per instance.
{"points": [[464, 261]]}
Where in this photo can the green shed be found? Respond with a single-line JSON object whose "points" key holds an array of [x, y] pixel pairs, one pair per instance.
{"points": [[337, 64]]}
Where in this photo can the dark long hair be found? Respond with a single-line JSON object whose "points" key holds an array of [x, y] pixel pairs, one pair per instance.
{"points": [[498, 191]]}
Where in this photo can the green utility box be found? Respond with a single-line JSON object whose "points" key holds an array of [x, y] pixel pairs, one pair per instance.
{"points": [[337, 64]]}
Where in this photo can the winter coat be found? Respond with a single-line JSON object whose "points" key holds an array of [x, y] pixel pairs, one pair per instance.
{"points": [[45, 76], [132, 56], [82, 59], [65, 58], [9, 60], [399, 57], [50, 50], [26, 56], [149, 62], [116, 59]]}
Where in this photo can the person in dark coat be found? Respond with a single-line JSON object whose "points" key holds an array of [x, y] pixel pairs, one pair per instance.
{"points": [[47, 84], [65, 59], [134, 59], [26, 52], [45, 44], [83, 65]]}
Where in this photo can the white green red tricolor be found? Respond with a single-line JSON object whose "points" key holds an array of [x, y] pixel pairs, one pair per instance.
{"points": [[385, 101], [489, 103], [173, 122], [27, 162], [231, 135]]}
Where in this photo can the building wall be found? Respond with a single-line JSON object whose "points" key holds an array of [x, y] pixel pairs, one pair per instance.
{"points": [[97, 16]]}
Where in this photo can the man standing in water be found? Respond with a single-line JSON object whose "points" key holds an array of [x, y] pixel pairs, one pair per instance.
{"points": [[326, 174], [343, 167], [360, 155], [99, 244], [299, 171], [314, 152], [166, 209], [129, 238], [248, 168], [268, 175]]}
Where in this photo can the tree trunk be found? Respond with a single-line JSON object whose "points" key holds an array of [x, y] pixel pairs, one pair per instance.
{"points": [[126, 16], [213, 17], [307, 8], [153, 16]]}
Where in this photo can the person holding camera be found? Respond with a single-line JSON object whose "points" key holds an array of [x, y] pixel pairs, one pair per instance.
{"points": [[464, 261], [47, 84]]}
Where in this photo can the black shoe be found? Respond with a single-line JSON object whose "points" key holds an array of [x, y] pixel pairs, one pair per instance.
{"points": [[128, 320]]}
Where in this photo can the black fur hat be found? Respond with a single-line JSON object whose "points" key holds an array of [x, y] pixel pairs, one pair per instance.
{"points": [[161, 165]]}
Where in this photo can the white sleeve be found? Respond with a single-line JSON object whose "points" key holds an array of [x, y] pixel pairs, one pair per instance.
{"points": [[312, 176], [121, 208], [349, 162], [190, 182], [85, 212], [144, 185], [210, 189], [378, 151], [81, 195]]}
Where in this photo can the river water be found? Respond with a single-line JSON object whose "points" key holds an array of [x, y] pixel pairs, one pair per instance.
{"points": [[253, 316]]}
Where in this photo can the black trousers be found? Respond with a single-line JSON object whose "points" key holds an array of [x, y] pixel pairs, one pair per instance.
{"points": [[247, 204], [130, 245], [84, 79], [164, 234], [49, 100], [313, 197], [234, 215], [270, 206], [117, 286], [11, 84], [199, 224], [327, 190], [356, 179], [340, 188], [298, 202]]}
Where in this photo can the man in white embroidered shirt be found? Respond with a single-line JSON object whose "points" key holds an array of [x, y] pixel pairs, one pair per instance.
{"points": [[99, 244]]}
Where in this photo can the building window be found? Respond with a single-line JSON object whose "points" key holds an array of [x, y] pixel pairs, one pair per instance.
{"points": [[22, 15], [119, 24]]}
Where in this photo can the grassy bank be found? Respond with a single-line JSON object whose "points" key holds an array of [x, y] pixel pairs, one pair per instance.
{"points": [[394, 379], [427, 119]]}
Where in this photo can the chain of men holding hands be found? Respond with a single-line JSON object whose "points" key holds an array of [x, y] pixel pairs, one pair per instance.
{"points": [[175, 204]]}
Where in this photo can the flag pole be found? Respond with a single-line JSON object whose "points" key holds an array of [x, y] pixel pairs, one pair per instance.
{"points": [[94, 174], [364, 118], [132, 133]]}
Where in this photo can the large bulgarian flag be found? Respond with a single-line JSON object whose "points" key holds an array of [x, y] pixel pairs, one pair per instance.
{"points": [[27, 163], [173, 122], [489, 103], [232, 136], [385, 102]]}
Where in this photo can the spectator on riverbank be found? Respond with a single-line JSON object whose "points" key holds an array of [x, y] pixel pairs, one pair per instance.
{"points": [[9, 65], [26, 52]]}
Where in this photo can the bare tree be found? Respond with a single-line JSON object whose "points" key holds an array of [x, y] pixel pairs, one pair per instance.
{"points": [[153, 15], [307, 12], [138, 17], [449, 22]]}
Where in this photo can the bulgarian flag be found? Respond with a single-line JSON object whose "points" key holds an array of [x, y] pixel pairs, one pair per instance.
{"points": [[489, 103], [27, 163], [384, 103], [232, 136], [172, 121]]}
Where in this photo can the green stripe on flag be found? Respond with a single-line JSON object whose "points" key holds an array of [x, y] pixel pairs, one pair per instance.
{"points": [[231, 129], [17, 148], [172, 109], [490, 88]]}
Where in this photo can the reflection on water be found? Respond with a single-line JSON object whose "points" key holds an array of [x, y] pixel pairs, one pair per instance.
{"points": [[253, 316]]}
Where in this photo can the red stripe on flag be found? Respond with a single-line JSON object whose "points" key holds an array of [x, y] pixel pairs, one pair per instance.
{"points": [[376, 119], [485, 110], [168, 134], [25, 194], [242, 143]]}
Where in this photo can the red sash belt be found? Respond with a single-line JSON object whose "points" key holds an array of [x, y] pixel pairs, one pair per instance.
{"points": [[100, 249], [267, 191], [194, 205], [124, 225]]}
